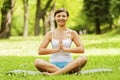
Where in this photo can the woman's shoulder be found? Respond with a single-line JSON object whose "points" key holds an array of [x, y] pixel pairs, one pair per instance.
{"points": [[72, 31], [49, 33]]}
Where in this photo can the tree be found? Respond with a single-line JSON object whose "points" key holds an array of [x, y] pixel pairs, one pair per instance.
{"points": [[115, 10], [40, 13], [6, 11], [49, 20], [97, 11], [25, 33]]}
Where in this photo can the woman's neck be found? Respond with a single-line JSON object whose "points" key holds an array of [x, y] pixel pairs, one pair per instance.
{"points": [[61, 28]]}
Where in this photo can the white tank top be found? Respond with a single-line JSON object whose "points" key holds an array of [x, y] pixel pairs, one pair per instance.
{"points": [[61, 56]]}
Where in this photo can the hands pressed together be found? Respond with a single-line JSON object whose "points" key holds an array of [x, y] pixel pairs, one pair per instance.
{"points": [[61, 47]]}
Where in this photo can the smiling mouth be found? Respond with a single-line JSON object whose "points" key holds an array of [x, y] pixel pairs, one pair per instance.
{"points": [[61, 21]]}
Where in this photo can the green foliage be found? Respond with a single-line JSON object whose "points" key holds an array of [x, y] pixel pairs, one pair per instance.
{"points": [[1, 3], [97, 10], [77, 20], [115, 9], [17, 26], [18, 18], [74, 8], [6, 6]]}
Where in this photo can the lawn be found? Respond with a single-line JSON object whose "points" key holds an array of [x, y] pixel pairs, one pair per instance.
{"points": [[102, 52]]}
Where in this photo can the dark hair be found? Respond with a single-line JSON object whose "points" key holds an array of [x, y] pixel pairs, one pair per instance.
{"points": [[61, 10]]}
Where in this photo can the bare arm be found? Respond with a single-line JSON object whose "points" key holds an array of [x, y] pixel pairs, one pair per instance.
{"points": [[79, 45], [43, 47]]}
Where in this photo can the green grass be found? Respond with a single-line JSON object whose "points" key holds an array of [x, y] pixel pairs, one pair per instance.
{"points": [[26, 62], [102, 52]]}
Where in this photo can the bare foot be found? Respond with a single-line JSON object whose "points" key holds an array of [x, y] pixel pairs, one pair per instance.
{"points": [[46, 73]]}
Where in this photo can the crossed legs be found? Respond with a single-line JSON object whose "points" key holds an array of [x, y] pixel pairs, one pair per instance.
{"points": [[44, 66], [50, 69]]}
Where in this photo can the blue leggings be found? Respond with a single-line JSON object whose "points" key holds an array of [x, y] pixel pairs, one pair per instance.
{"points": [[60, 64]]}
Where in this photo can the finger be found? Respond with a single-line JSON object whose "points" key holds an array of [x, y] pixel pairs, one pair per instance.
{"points": [[60, 40]]}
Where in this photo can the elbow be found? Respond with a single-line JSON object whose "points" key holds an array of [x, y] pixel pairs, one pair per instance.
{"points": [[82, 50], [40, 52]]}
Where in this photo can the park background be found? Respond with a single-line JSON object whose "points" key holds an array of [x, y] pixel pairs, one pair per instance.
{"points": [[23, 24]]}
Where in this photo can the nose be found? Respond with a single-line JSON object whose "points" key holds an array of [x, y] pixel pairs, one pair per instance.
{"points": [[60, 17]]}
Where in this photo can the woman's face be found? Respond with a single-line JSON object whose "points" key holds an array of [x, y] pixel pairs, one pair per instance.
{"points": [[61, 18]]}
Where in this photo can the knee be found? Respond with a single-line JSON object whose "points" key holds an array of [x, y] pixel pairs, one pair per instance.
{"points": [[37, 62], [84, 59]]}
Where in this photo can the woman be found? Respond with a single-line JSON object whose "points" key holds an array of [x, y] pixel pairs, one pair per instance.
{"points": [[61, 38]]}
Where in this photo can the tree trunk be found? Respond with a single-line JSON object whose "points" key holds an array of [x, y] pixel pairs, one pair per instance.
{"points": [[40, 13], [37, 27], [97, 26], [44, 26], [25, 33], [49, 21], [110, 23], [6, 11], [52, 24]]}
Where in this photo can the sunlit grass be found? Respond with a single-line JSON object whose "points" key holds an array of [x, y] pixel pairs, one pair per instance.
{"points": [[26, 62], [97, 45], [20, 53]]}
